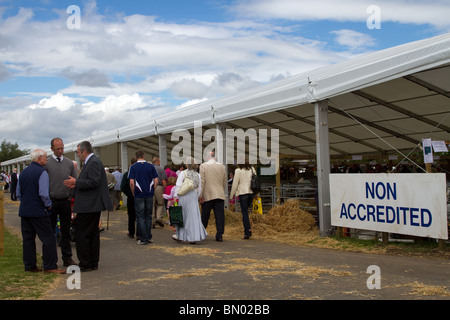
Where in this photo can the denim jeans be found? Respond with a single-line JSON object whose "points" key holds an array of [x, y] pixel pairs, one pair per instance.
{"points": [[143, 208], [246, 200]]}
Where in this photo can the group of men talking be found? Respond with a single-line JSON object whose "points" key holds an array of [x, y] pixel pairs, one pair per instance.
{"points": [[51, 185], [45, 190]]}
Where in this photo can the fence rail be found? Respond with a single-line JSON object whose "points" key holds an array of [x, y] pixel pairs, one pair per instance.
{"points": [[272, 196]]}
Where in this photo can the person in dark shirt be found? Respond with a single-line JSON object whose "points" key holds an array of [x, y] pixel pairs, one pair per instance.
{"points": [[143, 179]]}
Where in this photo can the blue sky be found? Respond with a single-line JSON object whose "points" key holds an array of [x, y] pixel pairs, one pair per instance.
{"points": [[131, 60]]}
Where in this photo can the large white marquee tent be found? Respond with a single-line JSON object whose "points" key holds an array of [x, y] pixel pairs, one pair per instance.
{"points": [[380, 103]]}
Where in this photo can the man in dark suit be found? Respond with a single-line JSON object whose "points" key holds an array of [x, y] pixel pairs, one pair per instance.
{"points": [[91, 197], [13, 180]]}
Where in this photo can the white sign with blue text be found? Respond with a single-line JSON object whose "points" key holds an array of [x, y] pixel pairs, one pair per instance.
{"points": [[411, 204]]}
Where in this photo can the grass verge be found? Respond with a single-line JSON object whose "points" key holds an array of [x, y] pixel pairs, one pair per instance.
{"points": [[15, 283]]}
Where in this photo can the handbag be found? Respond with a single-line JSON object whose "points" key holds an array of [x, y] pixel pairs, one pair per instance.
{"points": [[186, 186], [255, 185], [176, 215]]}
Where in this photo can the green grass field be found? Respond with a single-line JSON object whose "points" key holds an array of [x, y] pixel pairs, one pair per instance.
{"points": [[15, 283]]}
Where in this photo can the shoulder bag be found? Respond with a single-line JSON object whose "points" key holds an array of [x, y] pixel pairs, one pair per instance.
{"points": [[187, 185], [255, 185]]}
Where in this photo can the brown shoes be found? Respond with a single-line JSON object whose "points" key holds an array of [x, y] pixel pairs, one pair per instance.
{"points": [[69, 262], [58, 271]]}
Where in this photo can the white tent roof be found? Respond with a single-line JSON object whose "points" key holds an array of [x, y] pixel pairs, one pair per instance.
{"points": [[401, 94]]}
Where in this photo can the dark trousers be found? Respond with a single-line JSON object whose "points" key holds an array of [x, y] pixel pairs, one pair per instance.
{"points": [[13, 191], [219, 213], [62, 208], [41, 227], [131, 216], [87, 239], [246, 200]]}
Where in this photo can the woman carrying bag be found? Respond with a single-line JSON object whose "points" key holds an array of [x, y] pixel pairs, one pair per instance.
{"points": [[242, 187], [192, 229]]}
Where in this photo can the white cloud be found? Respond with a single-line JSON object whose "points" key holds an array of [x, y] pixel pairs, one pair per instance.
{"points": [[141, 45], [222, 84], [117, 105], [122, 67], [191, 103], [58, 101], [59, 115], [433, 12], [4, 73], [189, 89], [354, 40]]}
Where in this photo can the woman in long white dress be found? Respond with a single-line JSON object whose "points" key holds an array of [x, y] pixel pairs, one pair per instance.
{"points": [[193, 229]]}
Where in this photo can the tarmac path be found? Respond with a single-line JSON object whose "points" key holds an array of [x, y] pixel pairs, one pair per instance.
{"points": [[241, 270]]}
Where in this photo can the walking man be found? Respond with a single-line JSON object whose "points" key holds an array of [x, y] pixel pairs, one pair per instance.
{"points": [[214, 181], [143, 179]]}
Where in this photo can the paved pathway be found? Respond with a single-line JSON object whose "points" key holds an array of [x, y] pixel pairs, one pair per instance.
{"points": [[241, 270]]}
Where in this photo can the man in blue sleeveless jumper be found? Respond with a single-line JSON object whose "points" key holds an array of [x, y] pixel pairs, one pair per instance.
{"points": [[34, 210]]}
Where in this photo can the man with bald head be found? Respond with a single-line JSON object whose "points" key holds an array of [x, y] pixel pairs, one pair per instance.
{"points": [[59, 168]]}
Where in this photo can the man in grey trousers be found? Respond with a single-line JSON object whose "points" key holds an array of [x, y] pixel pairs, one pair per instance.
{"points": [[59, 168]]}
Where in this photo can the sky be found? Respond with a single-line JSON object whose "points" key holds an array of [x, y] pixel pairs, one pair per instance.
{"points": [[76, 69]]}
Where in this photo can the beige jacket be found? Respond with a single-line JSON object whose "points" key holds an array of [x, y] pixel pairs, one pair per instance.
{"points": [[214, 180], [241, 182]]}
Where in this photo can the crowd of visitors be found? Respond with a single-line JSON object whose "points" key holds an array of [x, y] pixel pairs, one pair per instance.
{"points": [[10, 181], [52, 189], [209, 182]]}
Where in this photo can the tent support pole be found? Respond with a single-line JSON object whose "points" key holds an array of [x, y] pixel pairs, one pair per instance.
{"points": [[124, 156], [221, 152], [124, 165], [323, 167], [162, 150]]}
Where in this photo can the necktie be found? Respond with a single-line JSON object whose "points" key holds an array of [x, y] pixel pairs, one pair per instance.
{"points": [[59, 159]]}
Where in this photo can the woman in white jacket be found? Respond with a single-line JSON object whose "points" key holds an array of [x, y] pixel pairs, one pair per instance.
{"points": [[241, 188]]}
